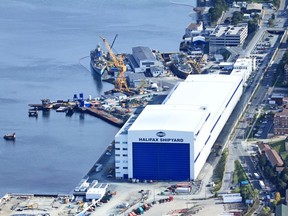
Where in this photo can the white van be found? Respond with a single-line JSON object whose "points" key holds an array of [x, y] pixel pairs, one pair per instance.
{"points": [[256, 175]]}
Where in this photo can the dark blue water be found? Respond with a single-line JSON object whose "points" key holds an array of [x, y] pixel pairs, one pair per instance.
{"points": [[41, 43]]}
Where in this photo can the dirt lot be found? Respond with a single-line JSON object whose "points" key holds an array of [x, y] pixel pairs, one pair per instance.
{"points": [[131, 194]]}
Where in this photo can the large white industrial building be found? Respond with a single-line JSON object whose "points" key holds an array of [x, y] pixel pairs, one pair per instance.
{"points": [[172, 141]]}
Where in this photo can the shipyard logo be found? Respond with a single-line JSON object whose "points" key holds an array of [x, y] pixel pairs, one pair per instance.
{"points": [[160, 134]]}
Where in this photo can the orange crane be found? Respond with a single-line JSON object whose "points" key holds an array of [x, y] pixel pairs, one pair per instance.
{"points": [[120, 82]]}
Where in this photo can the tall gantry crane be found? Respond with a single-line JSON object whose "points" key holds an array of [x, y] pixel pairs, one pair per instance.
{"points": [[120, 82]]}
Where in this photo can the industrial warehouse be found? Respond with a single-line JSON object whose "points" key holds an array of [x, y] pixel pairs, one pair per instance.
{"points": [[172, 140]]}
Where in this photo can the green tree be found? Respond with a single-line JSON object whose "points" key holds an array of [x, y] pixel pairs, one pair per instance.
{"points": [[274, 203], [284, 177], [262, 161], [237, 17], [252, 26], [216, 11], [244, 192], [268, 172], [255, 193], [265, 211], [282, 185]]}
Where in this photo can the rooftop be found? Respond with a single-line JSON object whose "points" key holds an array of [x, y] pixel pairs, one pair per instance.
{"points": [[263, 147], [170, 117], [143, 53], [284, 113], [190, 101], [224, 30], [254, 6], [274, 158]]}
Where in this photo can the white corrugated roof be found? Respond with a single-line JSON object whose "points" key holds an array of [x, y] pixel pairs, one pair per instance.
{"points": [[189, 103], [204, 90], [170, 117]]}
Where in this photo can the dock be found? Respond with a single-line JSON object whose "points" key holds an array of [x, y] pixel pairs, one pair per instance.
{"points": [[102, 114], [114, 109]]}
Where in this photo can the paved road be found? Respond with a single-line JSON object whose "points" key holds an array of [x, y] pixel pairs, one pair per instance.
{"points": [[239, 149]]}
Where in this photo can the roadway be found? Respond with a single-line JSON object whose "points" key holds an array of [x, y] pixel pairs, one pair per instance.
{"points": [[258, 92]]}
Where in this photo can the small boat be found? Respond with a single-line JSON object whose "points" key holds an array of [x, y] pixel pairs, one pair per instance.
{"points": [[33, 113], [10, 136]]}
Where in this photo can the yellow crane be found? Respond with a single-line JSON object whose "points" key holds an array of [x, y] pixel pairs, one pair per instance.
{"points": [[120, 82]]}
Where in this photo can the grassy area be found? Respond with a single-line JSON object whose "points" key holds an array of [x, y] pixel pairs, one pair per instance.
{"points": [[239, 173], [279, 146], [284, 155], [218, 172]]}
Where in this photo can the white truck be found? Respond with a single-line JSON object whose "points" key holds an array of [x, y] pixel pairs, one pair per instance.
{"points": [[262, 185]]}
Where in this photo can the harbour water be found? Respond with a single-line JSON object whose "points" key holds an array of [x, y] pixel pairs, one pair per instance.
{"points": [[41, 45]]}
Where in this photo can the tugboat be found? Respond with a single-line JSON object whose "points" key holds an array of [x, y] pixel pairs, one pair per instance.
{"points": [[10, 136]]}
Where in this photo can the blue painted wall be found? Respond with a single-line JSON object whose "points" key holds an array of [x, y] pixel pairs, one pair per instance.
{"points": [[161, 161]]}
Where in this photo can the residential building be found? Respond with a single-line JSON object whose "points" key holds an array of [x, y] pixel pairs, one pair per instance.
{"points": [[281, 122]]}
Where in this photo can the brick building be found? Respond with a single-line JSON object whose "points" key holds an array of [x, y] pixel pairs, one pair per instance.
{"points": [[281, 122]]}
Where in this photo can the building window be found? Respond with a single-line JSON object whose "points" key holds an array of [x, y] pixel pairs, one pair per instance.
{"points": [[117, 161], [125, 148], [125, 167], [117, 155], [125, 155], [117, 142], [117, 148], [116, 167], [125, 142]]}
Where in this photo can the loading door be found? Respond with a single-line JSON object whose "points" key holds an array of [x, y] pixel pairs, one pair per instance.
{"points": [[161, 161]]}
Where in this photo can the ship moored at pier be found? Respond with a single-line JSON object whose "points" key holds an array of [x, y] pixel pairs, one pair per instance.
{"points": [[97, 60]]}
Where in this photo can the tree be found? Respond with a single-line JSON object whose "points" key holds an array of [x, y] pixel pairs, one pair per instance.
{"points": [[265, 211], [277, 197], [252, 26], [244, 192], [268, 172], [237, 17], [285, 177], [282, 185], [274, 202], [262, 161], [255, 193]]}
